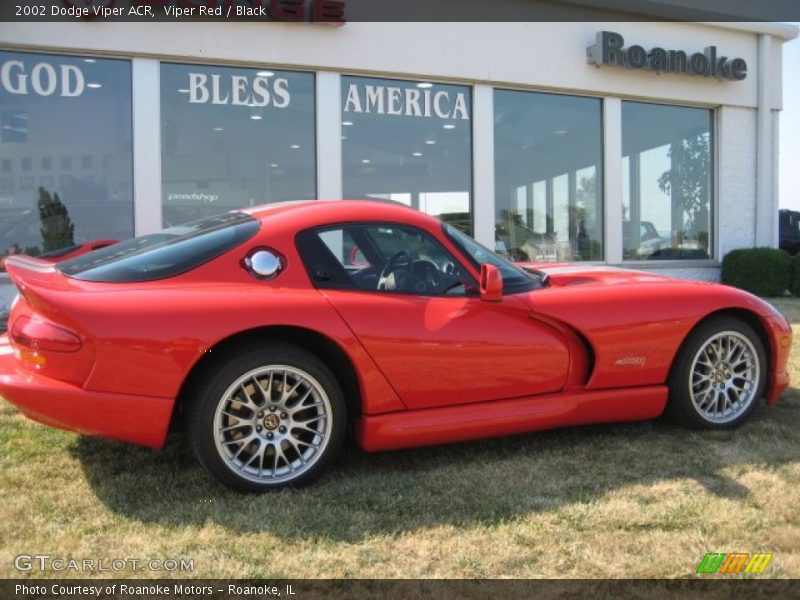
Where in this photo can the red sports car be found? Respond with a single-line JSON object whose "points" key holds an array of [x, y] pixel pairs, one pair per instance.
{"points": [[268, 335]]}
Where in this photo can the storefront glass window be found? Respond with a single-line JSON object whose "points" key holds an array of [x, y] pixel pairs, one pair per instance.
{"points": [[548, 176], [667, 182], [59, 116], [410, 142], [234, 137]]}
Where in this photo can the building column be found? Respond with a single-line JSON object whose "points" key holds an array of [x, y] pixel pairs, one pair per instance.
{"points": [[766, 210], [147, 200], [612, 179], [483, 164], [329, 136]]}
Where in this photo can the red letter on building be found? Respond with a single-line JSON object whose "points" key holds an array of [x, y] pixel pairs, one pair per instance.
{"points": [[288, 10], [329, 11]]}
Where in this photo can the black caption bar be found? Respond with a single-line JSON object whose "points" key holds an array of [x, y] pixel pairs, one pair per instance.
{"points": [[367, 589], [341, 11]]}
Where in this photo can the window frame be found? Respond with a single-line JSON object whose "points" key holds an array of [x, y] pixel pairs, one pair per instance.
{"points": [[713, 259], [469, 85], [602, 168], [164, 61]]}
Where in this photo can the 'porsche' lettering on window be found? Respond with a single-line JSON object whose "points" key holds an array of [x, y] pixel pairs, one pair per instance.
{"points": [[407, 102]]}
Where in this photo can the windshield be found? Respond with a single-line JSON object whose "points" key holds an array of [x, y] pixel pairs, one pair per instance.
{"points": [[164, 254], [514, 279]]}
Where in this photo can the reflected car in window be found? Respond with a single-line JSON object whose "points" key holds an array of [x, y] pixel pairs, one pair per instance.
{"points": [[271, 332], [789, 231], [649, 240]]}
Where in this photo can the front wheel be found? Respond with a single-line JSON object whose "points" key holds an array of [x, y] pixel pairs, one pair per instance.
{"points": [[719, 376], [272, 416]]}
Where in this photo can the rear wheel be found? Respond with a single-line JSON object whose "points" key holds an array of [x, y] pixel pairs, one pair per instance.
{"points": [[270, 417], [719, 376]]}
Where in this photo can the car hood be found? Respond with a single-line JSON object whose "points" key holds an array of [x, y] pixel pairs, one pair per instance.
{"points": [[566, 274]]}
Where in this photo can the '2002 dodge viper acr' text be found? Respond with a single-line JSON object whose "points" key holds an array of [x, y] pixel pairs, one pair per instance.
{"points": [[269, 332]]}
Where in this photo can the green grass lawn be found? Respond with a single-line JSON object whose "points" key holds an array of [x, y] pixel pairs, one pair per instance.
{"points": [[641, 500]]}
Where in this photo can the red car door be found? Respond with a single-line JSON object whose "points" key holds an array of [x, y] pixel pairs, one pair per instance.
{"points": [[439, 351], [437, 344]]}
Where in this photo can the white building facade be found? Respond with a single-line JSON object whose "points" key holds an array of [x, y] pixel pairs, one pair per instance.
{"points": [[650, 145]]}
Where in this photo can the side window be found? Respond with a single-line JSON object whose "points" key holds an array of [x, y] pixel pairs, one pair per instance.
{"points": [[381, 258]]}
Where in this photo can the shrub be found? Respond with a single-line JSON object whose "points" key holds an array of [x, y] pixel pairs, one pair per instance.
{"points": [[760, 271]]}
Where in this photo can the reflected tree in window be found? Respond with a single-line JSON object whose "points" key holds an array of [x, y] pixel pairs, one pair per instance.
{"points": [[57, 230], [688, 182]]}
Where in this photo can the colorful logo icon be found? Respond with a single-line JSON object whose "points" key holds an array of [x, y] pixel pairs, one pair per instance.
{"points": [[733, 563]]}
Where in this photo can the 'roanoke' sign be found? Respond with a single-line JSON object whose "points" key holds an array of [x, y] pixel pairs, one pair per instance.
{"points": [[609, 50]]}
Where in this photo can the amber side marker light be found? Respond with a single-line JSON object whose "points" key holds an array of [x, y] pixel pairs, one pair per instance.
{"points": [[786, 342], [41, 335], [32, 358]]}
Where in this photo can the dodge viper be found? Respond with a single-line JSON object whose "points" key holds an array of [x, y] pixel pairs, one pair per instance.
{"points": [[268, 333]]}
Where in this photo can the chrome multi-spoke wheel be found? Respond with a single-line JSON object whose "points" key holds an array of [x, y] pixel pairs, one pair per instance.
{"points": [[270, 416], [718, 376], [272, 423], [725, 374]]}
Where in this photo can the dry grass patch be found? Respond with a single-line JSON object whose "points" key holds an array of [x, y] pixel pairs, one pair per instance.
{"points": [[639, 500]]}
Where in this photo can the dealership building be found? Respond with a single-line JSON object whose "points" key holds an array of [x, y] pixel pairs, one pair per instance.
{"points": [[651, 145]]}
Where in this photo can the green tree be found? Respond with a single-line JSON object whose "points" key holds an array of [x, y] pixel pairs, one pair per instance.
{"points": [[57, 228]]}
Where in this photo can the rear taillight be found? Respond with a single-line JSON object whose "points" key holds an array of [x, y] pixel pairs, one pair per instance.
{"points": [[42, 335]]}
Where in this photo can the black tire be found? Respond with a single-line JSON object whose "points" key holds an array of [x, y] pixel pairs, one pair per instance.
{"points": [[682, 408], [204, 423]]}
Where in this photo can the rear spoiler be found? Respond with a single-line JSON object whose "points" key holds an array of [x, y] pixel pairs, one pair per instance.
{"points": [[26, 271]]}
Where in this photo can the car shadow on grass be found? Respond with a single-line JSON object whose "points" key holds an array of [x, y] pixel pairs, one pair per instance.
{"points": [[484, 482]]}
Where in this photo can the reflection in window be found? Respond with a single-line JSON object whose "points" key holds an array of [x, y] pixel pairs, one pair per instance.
{"points": [[13, 125], [666, 182], [409, 142], [69, 107], [234, 137], [548, 170]]}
